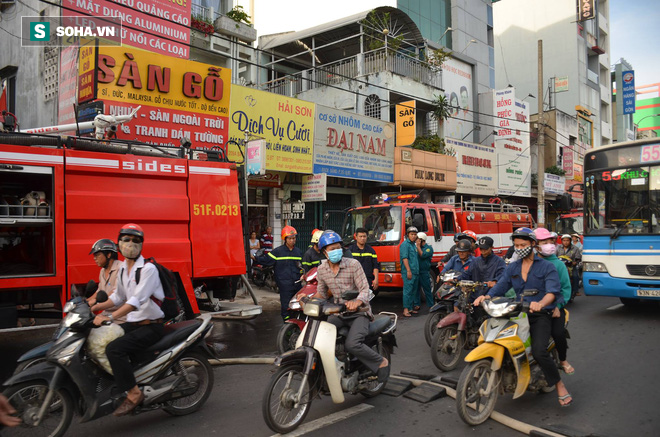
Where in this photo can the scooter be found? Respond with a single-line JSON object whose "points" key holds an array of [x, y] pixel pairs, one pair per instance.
{"points": [[321, 365], [458, 330], [263, 276], [444, 297], [174, 374], [501, 362], [293, 326]]}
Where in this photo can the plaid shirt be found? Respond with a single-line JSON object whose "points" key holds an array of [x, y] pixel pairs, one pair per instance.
{"points": [[349, 277]]}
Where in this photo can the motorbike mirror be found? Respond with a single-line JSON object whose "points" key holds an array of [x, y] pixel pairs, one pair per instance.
{"points": [[91, 288], [101, 296], [350, 294], [531, 292], [74, 291]]}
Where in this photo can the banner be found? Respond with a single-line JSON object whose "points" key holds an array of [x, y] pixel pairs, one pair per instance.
{"points": [[256, 157], [405, 123], [314, 187], [476, 169], [553, 184], [628, 91], [286, 124], [587, 11], [353, 146], [68, 85], [457, 82]]}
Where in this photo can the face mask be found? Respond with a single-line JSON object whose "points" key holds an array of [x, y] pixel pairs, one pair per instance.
{"points": [[547, 249], [334, 256], [130, 249], [524, 253]]}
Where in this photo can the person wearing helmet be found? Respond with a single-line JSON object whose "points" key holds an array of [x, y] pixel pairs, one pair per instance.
{"points": [[287, 260], [337, 276], [425, 252], [144, 318], [547, 246], [531, 272], [313, 256], [452, 250], [366, 256], [486, 268], [105, 256], [462, 261], [471, 236], [567, 249], [576, 241], [409, 257]]}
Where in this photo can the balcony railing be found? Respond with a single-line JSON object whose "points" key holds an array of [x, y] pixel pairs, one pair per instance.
{"points": [[373, 62]]}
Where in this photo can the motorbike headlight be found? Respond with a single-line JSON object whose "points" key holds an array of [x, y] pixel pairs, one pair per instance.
{"points": [[312, 309], [68, 307], [294, 305], [64, 355], [594, 267], [499, 309]]}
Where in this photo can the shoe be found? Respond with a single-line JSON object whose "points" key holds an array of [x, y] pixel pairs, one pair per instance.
{"points": [[127, 406], [563, 398], [383, 373], [416, 308]]}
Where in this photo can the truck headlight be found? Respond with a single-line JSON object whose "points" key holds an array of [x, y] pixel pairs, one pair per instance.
{"points": [[594, 267], [391, 267]]}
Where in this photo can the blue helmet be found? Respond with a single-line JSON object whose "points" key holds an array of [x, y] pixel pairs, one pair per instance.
{"points": [[525, 233], [328, 238]]}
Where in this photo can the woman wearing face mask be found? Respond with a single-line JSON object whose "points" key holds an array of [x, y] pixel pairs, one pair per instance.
{"points": [[547, 250]]}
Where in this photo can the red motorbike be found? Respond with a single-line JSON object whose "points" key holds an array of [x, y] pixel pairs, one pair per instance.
{"points": [[293, 326]]}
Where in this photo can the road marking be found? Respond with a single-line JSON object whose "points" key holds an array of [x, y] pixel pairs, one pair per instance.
{"points": [[328, 420], [615, 307]]}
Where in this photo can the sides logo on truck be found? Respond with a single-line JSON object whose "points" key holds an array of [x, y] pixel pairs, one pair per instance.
{"points": [[153, 166]]}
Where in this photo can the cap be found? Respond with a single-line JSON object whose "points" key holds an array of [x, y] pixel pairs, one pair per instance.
{"points": [[421, 236], [485, 243], [565, 236], [575, 235], [411, 229], [542, 234]]}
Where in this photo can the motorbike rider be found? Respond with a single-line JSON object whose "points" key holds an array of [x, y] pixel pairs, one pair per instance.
{"points": [[462, 261], [487, 268], [313, 256], [568, 249], [336, 276], [452, 250], [472, 237], [144, 318], [366, 256], [287, 260], [531, 272], [105, 256], [547, 247]]}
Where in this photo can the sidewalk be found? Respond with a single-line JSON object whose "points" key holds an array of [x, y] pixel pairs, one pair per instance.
{"points": [[268, 300]]}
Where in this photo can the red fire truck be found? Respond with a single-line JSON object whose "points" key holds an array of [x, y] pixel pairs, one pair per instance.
{"points": [[59, 195], [388, 216]]}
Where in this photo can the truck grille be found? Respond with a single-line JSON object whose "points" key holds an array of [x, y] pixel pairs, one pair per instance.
{"points": [[652, 270]]}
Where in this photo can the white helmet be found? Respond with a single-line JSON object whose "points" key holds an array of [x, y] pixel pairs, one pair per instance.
{"points": [[422, 236]]}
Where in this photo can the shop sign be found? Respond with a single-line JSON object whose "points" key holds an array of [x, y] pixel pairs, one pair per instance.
{"points": [[405, 123], [293, 210], [587, 11], [87, 74], [286, 124], [185, 99], [567, 163], [553, 183], [561, 84], [349, 145], [476, 167], [629, 94], [256, 157], [68, 89], [457, 83], [426, 170], [314, 187], [271, 179]]}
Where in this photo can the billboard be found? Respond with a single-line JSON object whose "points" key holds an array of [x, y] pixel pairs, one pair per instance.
{"points": [[285, 123], [587, 11], [353, 146], [457, 82], [628, 89], [476, 168], [405, 123]]}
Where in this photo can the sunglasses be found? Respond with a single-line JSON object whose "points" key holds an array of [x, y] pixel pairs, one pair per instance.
{"points": [[129, 239]]}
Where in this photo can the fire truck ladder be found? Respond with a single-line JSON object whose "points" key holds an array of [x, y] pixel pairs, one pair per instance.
{"points": [[492, 207]]}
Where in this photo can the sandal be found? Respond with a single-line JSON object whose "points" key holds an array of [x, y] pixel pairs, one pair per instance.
{"points": [[414, 312], [568, 369], [563, 398], [416, 308], [407, 314]]}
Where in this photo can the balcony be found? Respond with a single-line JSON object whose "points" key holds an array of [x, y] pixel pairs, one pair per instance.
{"points": [[603, 24], [605, 95], [372, 62], [225, 25], [606, 130]]}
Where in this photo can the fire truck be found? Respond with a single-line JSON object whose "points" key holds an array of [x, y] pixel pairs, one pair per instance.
{"points": [[389, 214], [58, 195]]}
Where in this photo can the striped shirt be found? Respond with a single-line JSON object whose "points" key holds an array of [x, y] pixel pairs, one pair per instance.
{"points": [[349, 277]]}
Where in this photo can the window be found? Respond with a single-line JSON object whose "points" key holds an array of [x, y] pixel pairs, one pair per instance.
{"points": [[447, 222], [416, 218], [434, 222], [8, 86], [372, 106]]}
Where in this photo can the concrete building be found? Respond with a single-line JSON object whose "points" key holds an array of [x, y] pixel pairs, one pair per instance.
{"points": [[576, 60]]}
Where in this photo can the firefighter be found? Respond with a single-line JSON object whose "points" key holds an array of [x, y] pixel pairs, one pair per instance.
{"points": [[105, 256], [313, 257], [144, 318], [367, 257], [287, 260]]}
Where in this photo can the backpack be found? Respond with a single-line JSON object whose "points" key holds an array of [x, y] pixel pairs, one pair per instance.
{"points": [[171, 306]]}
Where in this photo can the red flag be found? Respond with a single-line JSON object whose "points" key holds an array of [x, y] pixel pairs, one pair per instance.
{"points": [[3, 99]]}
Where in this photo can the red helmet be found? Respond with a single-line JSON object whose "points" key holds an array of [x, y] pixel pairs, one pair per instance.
{"points": [[288, 231], [131, 229], [471, 235]]}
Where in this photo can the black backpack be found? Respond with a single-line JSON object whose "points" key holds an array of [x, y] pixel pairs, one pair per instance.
{"points": [[171, 306]]}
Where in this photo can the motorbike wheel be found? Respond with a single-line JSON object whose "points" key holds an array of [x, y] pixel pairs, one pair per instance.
{"points": [[197, 370], [473, 403], [27, 399], [258, 279], [287, 337], [446, 347], [280, 411], [432, 324], [374, 388]]}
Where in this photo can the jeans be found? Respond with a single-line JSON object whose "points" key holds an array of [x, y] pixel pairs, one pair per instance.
{"points": [[540, 327], [359, 328]]}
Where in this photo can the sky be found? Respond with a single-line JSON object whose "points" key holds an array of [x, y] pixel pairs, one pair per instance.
{"points": [[634, 26]]}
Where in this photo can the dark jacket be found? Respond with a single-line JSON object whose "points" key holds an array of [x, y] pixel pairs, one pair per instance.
{"points": [[288, 266], [311, 259], [367, 258], [485, 269], [452, 252]]}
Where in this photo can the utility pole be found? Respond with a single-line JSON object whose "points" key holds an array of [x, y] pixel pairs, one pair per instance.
{"points": [[540, 145]]}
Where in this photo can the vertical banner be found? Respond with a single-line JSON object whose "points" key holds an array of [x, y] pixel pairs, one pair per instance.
{"points": [[405, 123], [256, 157], [457, 82], [567, 163], [587, 11], [628, 92], [68, 85], [86, 74]]}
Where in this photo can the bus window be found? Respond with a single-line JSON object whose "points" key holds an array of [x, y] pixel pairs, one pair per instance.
{"points": [[434, 222], [416, 218], [447, 222]]}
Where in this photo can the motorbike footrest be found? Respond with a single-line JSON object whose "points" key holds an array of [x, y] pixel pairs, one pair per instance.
{"points": [[426, 393]]}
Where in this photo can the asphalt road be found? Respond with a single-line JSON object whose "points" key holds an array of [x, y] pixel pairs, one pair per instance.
{"points": [[616, 390]]}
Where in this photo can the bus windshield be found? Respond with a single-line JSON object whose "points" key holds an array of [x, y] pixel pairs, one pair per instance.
{"points": [[383, 225], [622, 201]]}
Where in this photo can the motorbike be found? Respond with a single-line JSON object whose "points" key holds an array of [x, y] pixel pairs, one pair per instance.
{"points": [[501, 362], [458, 330], [321, 365], [293, 326], [574, 268], [445, 296], [263, 276], [174, 375]]}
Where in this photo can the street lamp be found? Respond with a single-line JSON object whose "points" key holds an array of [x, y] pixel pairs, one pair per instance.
{"points": [[443, 35], [468, 45], [529, 95], [642, 119], [475, 128]]}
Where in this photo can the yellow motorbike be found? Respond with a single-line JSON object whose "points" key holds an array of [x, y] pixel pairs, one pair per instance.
{"points": [[502, 363]]}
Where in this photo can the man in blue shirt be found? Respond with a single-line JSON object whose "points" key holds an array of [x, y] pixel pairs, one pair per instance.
{"points": [[531, 272], [463, 260], [487, 268]]}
